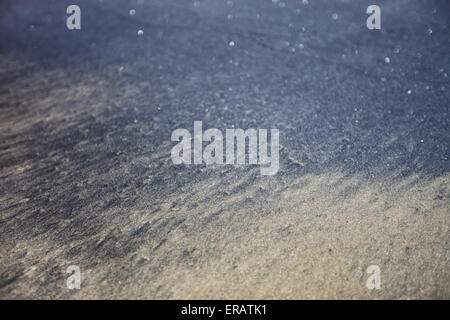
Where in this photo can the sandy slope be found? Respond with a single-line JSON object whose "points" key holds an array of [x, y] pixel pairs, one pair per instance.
{"points": [[86, 176]]}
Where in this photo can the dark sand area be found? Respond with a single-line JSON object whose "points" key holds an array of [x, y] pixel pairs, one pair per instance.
{"points": [[86, 176]]}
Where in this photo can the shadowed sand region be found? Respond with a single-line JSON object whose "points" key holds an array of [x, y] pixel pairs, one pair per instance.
{"points": [[87, 179]]}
